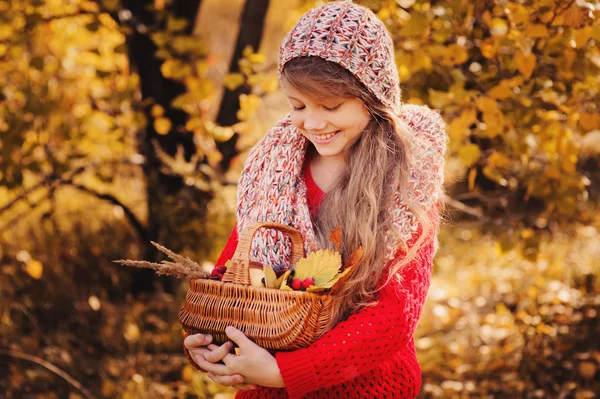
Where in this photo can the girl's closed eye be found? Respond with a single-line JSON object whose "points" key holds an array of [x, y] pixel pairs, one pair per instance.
{"points": [[332, 109]]}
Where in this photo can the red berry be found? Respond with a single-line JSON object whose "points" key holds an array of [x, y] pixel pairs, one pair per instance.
{"points": [[296, 284], [308, 282], [214, 273], [221, 269]]}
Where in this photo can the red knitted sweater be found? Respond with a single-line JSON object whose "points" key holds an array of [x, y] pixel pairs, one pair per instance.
{"points": [[369, 355]]}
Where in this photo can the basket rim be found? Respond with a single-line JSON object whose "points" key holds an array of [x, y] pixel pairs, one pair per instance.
{"points": [[284, 293]]}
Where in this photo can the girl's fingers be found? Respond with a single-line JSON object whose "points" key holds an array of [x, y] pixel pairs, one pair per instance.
{"points": [[197, 340], [215, 355], [228, 380], [215, 368]]}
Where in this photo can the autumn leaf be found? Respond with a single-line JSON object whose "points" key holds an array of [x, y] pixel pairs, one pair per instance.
{"points": [[233, 80], [469, 154], [525, 63], [321, 265], [354, 258], [270, 277], [162, 126], [34, 268], [336, 237]]}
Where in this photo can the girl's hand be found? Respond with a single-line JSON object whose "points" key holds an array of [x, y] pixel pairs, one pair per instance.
{"points": [[255, 364], [200, 347]]}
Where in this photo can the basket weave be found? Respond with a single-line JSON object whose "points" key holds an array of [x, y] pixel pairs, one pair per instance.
{"points": [[272, 318]]}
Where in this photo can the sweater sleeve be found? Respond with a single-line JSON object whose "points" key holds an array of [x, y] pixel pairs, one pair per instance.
{"points": [[367, 338], [230, 247]]}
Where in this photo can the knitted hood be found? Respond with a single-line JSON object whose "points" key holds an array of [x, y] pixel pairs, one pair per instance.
{"points": [[271, 187]]}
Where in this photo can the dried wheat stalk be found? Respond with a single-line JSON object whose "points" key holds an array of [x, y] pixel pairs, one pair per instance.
{"points": [[180, 268]]}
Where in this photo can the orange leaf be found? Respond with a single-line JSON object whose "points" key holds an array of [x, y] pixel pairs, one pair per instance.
{"points": [[336, 237], [354, 258], [525, 63]]}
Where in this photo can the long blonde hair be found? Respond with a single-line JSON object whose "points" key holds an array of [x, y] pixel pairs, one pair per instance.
{"points": [[378, 163]]}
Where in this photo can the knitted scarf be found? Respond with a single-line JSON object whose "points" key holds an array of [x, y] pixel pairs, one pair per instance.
{"points": [[272, 188]]}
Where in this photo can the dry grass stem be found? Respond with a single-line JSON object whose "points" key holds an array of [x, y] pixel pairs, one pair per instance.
{"points": [[180, 268]]}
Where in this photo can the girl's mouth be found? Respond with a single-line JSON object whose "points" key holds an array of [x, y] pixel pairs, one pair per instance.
{"points": [[325, 138]]}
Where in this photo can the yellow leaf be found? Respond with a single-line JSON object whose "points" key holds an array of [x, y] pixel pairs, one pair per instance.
{"points": [[455, 55], [525, 63], [459, 127], [162, 126], [111, 5], [498, 160], [536, 31], [233, 80], [489, 48], [282, 280], [469, 154], [257, 58], [194, 123], [499, 27], [321, 265], [417, 25], [157, 111], [176, 24], [501, 91], [581, 36], [590, 121], [472, 176], [183, 44], [256, 276], [596, 32], [518, 13], [270, 277], [248, 105], [34, 268], [132, 332]]}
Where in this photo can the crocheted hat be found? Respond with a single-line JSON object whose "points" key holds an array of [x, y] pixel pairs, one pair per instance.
{"points": [[353, 37]]}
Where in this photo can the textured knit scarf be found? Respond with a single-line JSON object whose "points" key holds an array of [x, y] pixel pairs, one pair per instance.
{"points": [[272, 187]]}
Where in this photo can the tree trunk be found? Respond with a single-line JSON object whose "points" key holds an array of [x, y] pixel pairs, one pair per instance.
{"points": [[252, 25], [162, 190]]}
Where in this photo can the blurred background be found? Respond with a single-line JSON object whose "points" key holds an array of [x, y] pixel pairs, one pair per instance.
{"points": [[125, 121]]}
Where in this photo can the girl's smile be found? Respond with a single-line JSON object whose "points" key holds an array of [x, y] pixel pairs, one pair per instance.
{"points": [[331, 124]]}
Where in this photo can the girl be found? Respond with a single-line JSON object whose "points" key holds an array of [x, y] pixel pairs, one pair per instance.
{"points": [[349, 153]]}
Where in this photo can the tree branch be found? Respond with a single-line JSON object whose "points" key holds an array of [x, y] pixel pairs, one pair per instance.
{"points": [[137, 225], [49, 366], [468, 210]]}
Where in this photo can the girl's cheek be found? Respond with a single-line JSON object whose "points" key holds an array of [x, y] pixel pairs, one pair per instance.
{"points": [[296, 121]]}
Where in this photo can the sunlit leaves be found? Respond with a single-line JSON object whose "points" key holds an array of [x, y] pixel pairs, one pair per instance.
{"points": [[162, 125], [517, 79], [34, 268], [469, 154], [525, 63]]}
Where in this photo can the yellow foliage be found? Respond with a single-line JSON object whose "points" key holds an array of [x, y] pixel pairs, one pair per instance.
{"points": [[233, 80], [34, 268], [469, 154], [525, 63], [162, 125]]}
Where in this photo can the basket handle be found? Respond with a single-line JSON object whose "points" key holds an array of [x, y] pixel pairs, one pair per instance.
{"points": [[239, 270]]}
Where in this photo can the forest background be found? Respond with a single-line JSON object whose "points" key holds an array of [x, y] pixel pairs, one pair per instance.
{"points": [[126, 121]]}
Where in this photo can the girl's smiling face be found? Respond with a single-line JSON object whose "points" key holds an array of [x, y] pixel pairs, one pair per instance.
{"points": [[331, 124]]}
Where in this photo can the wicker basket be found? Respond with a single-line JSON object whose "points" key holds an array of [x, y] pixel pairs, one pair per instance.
{"points": [[272, 318]]}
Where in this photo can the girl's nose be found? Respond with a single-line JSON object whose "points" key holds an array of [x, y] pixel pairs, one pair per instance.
{"points": [[314, 123]]}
